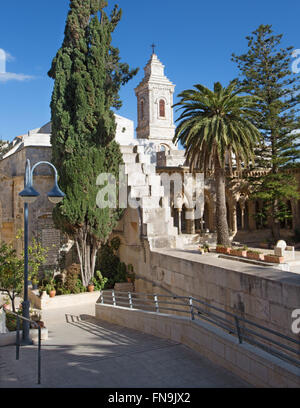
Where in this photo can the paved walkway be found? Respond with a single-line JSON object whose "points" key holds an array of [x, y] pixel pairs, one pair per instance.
{"points": [[85, 352]]}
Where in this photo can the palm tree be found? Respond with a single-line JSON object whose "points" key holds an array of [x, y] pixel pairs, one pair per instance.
{"points": [[216, 130]]}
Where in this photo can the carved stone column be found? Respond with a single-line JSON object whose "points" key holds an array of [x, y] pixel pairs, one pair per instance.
{"points": [[179, 210], [234, 219], [190, 221]]}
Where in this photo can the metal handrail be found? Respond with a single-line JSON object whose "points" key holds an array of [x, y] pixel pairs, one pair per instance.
{"points": [[235, 326], [18, 343]]}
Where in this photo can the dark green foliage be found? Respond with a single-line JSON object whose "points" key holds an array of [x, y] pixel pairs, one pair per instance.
{"points": [[11, 321], [59, 279], [99, 281], [297, 235], [110, 265], [88, 75], [265, 72], [11, 273], [71, 279]]}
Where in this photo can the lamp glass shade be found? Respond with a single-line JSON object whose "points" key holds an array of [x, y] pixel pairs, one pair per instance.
{"points": [[29, 195], [56, 195]]}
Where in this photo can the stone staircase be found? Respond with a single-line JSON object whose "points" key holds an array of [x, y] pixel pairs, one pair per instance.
{"points": [[187, 240], [145, 187]]}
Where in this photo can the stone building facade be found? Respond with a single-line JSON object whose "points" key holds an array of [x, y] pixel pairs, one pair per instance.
{"points": [[156, 222]]}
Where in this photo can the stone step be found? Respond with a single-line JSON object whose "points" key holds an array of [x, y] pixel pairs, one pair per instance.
{"points": [[157, 228], [187, 240], [133, 168], [140, 191], [136, 180], [139, 149], [151, 215], [150, 202], [149, 169], [130, 158], [144, 158], [157, 191], [162, 242], [127, 149]]}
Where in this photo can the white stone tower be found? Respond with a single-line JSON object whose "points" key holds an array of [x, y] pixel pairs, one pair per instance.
{"points": [[155, 100]]}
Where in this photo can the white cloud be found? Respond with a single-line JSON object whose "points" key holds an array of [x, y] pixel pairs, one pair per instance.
{"points": [[9, 76], [9, 57]]}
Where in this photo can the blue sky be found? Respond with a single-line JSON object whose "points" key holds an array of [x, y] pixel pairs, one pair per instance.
{"points": [[195, 40]]}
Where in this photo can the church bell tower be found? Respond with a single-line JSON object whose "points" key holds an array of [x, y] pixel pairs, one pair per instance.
{"points": [[155, 100]]}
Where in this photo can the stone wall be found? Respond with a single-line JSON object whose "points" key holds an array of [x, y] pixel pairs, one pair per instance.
{"points": [[265, 296], [249, 363], [41, 224]]}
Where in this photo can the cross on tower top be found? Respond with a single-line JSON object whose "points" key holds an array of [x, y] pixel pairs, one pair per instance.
{"points": [[153, 48]]}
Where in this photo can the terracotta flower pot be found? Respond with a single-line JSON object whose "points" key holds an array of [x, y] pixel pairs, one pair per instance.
{"points": [[91, 288], [52, 293], [240, 253], [274, 259], [256, 257], [224, 250]]}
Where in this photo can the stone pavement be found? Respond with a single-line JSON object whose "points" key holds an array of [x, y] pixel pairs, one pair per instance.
{"points": [[83, 352]]}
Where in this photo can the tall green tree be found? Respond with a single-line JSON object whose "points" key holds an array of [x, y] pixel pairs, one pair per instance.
{"points": [[88, 75], [215, 130], [265, 71], [12, 268]]}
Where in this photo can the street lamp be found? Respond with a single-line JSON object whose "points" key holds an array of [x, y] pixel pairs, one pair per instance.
{"points": [[29, 195]]}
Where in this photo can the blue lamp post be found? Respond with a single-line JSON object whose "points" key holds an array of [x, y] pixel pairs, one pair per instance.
{"points": [[29, 195]]}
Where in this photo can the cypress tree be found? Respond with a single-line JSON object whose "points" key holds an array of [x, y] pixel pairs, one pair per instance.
{"points": [[265, 72], [88, 75]]}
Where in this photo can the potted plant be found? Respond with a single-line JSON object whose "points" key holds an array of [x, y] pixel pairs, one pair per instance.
{"points": [[91, 287], [256, 255], [242, 252], [50, 288], [222, 249], [274, 258], [35, 283]]}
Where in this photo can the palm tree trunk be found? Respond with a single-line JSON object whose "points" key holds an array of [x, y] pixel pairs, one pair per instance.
{"points": [[221, 210]]}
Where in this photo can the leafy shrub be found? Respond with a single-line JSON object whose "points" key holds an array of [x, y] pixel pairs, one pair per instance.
{"points": [[11, 322], [115, 243], [79, 288], [59, 280], [110, 265], [99, 281], [72, 277]]}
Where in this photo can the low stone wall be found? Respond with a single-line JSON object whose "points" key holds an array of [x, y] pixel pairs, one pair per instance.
{"points": [[47, 303], [249, 363], [10, 338], [263, 295]]}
